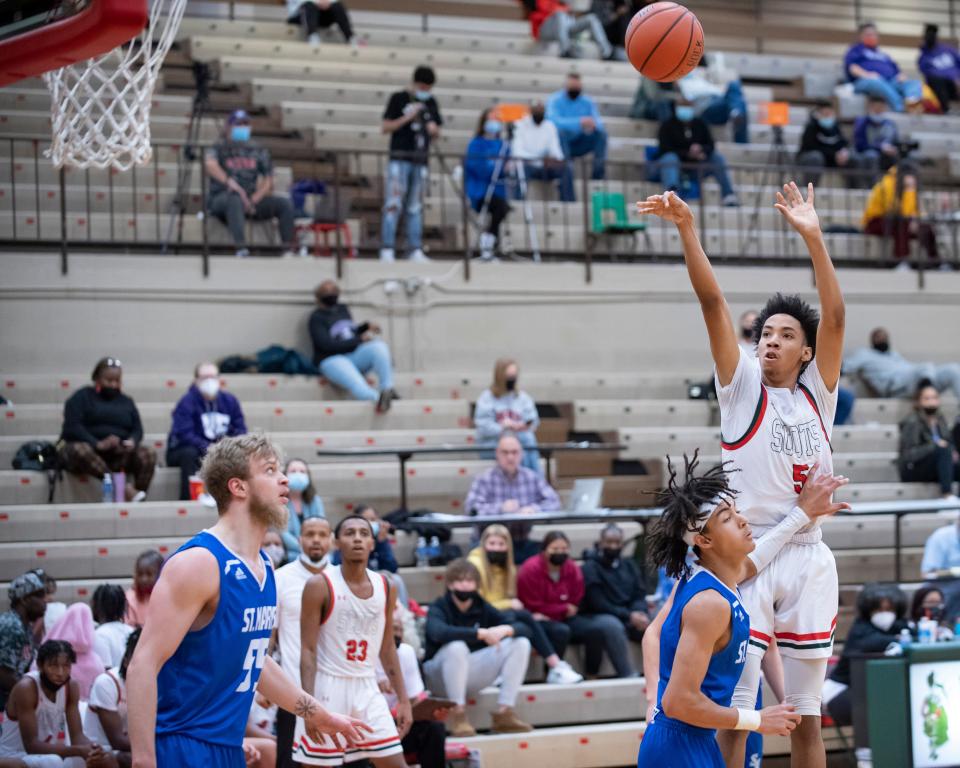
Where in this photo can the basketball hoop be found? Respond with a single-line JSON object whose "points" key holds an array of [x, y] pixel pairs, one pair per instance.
{"points": [[100, 108]]}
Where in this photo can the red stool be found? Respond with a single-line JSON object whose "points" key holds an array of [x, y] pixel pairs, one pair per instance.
{"points": [[325, 228]]}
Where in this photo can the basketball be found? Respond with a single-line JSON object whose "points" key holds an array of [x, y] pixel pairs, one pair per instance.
{"points": [[664, 41]]}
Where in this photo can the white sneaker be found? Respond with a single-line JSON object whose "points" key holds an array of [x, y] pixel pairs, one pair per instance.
{"points": [[242, 253], [487, 243], [288, 254], [418, 255], [563, 674], [314, 39], [207, 500], [139, 496], [903, 266], [731, 201], [387, 254], [303, 252]]}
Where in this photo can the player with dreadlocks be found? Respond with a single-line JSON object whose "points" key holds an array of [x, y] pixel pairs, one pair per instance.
{"points": [[703, 629]]}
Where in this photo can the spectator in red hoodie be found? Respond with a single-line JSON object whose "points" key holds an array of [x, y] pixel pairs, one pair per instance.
{"points": [[552, 22], [551, 587]]}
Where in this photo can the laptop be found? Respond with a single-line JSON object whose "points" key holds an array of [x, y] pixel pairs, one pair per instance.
{"points": [[585, 496]]}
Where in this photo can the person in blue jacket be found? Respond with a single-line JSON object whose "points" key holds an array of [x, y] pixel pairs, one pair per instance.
{"points": [[581, 128], [874, 73], [202, 417], [486, 164], [940, 65]]}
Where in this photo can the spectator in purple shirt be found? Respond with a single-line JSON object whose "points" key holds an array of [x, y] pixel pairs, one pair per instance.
{"points": [[940, 65], [204, 415], [874, 73], [512, 489]]}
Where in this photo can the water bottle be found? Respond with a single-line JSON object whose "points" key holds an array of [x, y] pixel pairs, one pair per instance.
{"points": [[926, 631], [905, 638], [108, 489], [434, 548], [423, 555]]}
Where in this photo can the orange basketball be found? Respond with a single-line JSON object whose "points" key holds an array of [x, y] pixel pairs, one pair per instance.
{"points": [[664, 41]]}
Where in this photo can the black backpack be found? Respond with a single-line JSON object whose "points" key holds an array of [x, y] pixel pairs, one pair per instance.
{"points": [[39, 456]]}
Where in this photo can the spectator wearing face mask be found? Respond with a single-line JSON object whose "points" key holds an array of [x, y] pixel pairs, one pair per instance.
{"points": [[203, 416], [881, 610], [927, 452], [145, 575], [581, 128], [876, 137], [874, 73], [102, 434], [823, 145], [274, 547], [303, 502], [344, 351], [940, 65], [929, 602], [889, 374], [485, 169], [241, 185], [614, 586], [536, 143], [686, 139], [504, 407]]}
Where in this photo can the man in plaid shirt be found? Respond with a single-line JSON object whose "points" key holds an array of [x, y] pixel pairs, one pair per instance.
{"points": [[511, 489]]}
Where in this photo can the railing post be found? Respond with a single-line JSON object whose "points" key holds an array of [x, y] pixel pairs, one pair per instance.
{"points": [[63, 222], [466, 233], [336, 213], [587, 240], [205, 247]]}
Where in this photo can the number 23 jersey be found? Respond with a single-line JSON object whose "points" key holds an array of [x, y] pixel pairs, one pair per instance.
{"points": [[348, 644]]}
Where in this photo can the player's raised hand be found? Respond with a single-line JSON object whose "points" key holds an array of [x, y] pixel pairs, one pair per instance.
{"points": [[800, 213], [342, 730], [816, 497], [668, 207], [778, 720]]}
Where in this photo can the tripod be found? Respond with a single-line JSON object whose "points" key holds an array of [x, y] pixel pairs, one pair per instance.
{"points": [[201, 106], [776, 159]]}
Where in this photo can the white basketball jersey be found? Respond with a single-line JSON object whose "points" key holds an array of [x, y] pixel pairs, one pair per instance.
{"points": [[348, 644], [51, 721], [772, 436]]}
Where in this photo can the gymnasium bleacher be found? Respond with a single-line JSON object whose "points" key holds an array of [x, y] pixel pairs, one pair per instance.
{"points": [[318, 110]]}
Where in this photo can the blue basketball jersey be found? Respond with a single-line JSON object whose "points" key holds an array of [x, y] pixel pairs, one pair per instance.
{"points": [[206, 688], [723, 672]]}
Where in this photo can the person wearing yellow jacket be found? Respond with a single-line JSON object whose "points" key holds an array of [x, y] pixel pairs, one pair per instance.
{"points": [[893, 210], [498, 586]]}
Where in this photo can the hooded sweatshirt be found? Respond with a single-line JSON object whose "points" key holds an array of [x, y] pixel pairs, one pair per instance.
{"points": [[200, 422], [76, 627]]}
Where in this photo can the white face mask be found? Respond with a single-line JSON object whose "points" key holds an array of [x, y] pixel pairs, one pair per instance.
{"points": [[322, 563], [883, 620], [209, 387], [275, 553]]}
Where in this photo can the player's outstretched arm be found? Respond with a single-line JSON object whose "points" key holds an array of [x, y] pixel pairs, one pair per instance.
{"points": [[189, 581], [391, 665], [802, 216], [706, 619], [651, 653], [716, 313]]}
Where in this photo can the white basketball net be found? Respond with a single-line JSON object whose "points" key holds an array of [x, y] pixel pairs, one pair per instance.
{"points": [[100, 108]]}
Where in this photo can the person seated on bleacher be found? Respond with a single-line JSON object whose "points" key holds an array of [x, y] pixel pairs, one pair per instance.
{"points": [[105, 719], [893, 211], [241, 185], [536, 143], [940, 65], [203, 416], [146, 571], [303, 502], [874, 73], [615, 16], [26, 594], [941, 552], [551, 587], [552, 22], [929, 601], [344, 351], [485, 171], [42, 725], [76, 628], [686, 138], [823, 145], [890, 374], [512, 489], [412, 118], [274, 548], [470, 645], [109, 606], [614, 585], [498, 586], [881, 615], [581, 128], [717, 96], [504, 407], [314, 15], [102, 434], [875, 136], [927, 452]]}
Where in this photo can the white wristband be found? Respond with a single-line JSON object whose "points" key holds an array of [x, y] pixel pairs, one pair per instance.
{"points": [[748, 720]]}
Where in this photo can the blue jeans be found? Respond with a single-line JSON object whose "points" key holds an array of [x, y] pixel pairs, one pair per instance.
{"points": [[347, 371], [714, 166], [891, 91], [729, 107], [562, 174], [578, 144], [845, 398], [404, 193]]}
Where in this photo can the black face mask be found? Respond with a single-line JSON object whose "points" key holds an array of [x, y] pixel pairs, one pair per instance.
{"points": [[610, 554], [464, 595], [397, 641], [330, 300], [497, 558], [559, 558], [537, 117], [930, 411], [747, 334], [934, 612], [573, 93], [881, 346], [108, 393], [510, 384]]}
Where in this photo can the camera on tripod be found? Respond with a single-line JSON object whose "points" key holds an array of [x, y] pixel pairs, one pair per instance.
{"points": [[905, 148]]}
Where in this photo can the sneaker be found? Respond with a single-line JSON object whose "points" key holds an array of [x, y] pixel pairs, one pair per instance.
{"points": [[394, 395], [242, 253], [903, 266], [207, 500], [731, 201], [487, 243], [563, 674], [387, 254], [418, 255], [508, 722], [383, 404], [139, 496], [458, 726], [303, 252], [288, 254], [314, 39]]}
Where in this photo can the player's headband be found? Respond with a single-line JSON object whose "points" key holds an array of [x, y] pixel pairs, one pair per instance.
{"points": [[706, 512]]}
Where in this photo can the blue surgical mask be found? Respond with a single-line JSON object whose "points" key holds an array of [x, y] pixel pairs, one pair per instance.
{"points": [[827, 122], [684, 113], [375, 525], [422, 95], [298, 481], [877, 119], [240, 133], [493, 126]]}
